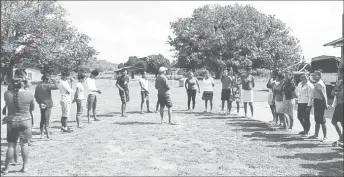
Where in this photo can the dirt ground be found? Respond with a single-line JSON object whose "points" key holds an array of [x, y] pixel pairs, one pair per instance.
{"points": [[198, 144]]}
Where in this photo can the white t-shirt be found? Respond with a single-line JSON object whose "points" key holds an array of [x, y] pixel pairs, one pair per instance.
{"points": [[144, 83], [80, 88], [64, 86], [208, 84], [91, 85]]}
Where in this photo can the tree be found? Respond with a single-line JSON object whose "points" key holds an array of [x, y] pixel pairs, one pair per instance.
{"points": [[216, 37], [156, 61], [121, 65]]}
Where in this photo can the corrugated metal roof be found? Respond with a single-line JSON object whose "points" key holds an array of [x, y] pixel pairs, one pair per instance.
{"points": [[335, 43]]}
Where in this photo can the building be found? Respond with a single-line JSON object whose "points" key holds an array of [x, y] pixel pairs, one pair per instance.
{"points": [[131, 71], [33, 74]]}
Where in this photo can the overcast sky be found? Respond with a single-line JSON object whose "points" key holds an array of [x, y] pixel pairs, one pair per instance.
{"points": [[122, 29]]}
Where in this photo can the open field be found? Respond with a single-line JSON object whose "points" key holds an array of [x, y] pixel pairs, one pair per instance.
{"points": [[198, 144]]}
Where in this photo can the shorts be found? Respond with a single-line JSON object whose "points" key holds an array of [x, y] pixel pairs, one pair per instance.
{"points": [[319, 111], [144, 96], [165, 100], [338, 114], [79, 106], [19, 129], [91, 101], [124, 96], [225, 94], [302, 112], [207, 95], [288, 107], [65, 106]]}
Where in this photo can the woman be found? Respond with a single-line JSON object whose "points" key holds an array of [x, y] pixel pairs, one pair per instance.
{"points": [[45, 102], [305, 101], [247, 90], [278, 95], [271, 101], [236, 90], [191, 85], [20, 103], [208, 91], [289, 98]]}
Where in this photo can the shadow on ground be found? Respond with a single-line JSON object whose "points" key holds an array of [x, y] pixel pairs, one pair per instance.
{"points": [[134, 123]]}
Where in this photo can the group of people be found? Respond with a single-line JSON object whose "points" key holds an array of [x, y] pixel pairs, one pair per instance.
{"points": [[310, 93]]}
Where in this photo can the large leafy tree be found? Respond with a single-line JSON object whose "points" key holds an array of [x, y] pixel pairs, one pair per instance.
{"points": [[216, 37], [157, 61], [36, 34]]}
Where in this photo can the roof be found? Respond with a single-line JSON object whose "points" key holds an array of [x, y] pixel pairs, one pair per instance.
{"points": [[335, 43], [323, 57], [128, 67]]}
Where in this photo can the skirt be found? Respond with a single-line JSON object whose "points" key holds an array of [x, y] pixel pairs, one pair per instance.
{"points": [[207, 95], [247, 96], [288, 107], [279, 106]]}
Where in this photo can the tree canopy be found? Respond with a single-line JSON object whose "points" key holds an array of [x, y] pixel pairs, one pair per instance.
{"points": [[150, 63], [216, 37]]}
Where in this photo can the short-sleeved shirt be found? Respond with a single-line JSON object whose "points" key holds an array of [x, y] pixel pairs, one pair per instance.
{"points": [[226, 82], [162, 85], [91, 86], [43, 94], [248, 82], [123, 82], [208, 84], [64, 88], [144, 83], [319, 89], [25, 104], [191, 83], [80, 90]]}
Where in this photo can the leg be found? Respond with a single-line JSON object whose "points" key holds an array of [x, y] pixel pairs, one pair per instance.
{"points": [[223, 105], [307, 122], [157, 106], [162, 107], [147, 103], [193, 96], [88, 115], [169, 115], [95, 114], [238, 106], [324, 128], [47, 121], [9, 155], [291, 119], [25, 153], [88, 108], [94, 108], [338, 129], [273, 113], [317, 128], [211, 104], [229, 106], [251, 106], [206, 105], [41, 125], [142, 101], [189, 98], [245, 109]]}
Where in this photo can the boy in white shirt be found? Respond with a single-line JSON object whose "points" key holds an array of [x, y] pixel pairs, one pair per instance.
{"points": [[79, 98], [144, 91], [92, 95], [66, 92], [208, 91]]}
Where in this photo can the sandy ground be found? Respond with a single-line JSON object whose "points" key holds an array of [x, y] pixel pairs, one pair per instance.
{"points": [[198, 144]]}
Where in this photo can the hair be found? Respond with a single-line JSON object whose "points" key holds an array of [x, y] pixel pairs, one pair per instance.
{"points": [[17, 84], [304, 74], [95, 73], [291, 73], [190, 72], [143, 71], [65, 73], [81, 76], [20, 73], [44, 77], [318, 72], [280, 75]]}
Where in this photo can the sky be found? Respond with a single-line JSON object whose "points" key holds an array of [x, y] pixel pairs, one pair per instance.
{"points": [[120, 29]]}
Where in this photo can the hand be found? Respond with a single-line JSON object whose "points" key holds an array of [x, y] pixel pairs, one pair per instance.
{"points": [[73, 101], [309, 108], [199, 91], [121, 89]]}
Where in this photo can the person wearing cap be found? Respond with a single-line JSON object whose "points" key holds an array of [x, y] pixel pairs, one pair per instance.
{"points": [[66, 100], [92, 95], [122, 85], [45, 101], [320, 105], [164, 97]]}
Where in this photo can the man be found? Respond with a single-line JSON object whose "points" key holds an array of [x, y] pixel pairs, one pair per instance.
{"points": [[92, 95], [226, 92], [164, 97], [45, 102], [66, 98], [144, 91], [320, 105], [122, 85]]}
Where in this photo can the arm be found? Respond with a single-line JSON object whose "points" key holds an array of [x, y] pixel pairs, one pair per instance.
{"points": [[323, 94], [142, 87], [310, 99], [199, 90], [36, 96], [253, 83], [268, 85], [53, 86], [166, 85], [76, 94], [156, 84], [185, 84], [117, 85], [213, 82]]}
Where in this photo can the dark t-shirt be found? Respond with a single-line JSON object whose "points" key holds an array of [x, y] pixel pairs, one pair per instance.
{"points": [[43, 94], [123, 82]]}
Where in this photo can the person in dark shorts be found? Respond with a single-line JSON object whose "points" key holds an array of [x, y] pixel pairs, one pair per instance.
{"points": [[226, 92], [20, 103], [208, 91], [191, 86], [164, 97], [338, 111], [122, 85], [79, 98], [45, 102], [144, 91], [320, 105], [92, 95]]}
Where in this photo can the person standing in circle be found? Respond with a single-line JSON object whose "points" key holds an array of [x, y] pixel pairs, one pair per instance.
{"points": [[164, 97], [66, 100], [337, 117], [79, 98], [236, 89], [248, 85], [144, 91], [271, 100], [122, 85], [191, 85], [92, 95], [208, 91], [226, 92]]}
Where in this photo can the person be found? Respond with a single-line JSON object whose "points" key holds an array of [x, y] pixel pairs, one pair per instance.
{"points": [[208, 91], [122, 85], [304, 92], [20, 103], [247, 90], [79, 98], [320, 105], [164, 97], [144, 91], [271, 100], [191, 85], [289, 99], [92, 95], [226, 92], [236, 89], [66, 98], [44, 100], [338, 111], [278, 95]]}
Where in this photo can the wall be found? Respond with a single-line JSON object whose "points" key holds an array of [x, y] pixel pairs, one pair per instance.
{"points": [[34, 75]]}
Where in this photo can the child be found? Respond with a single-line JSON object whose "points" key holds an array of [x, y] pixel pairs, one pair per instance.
{"points": [[79, 98], [122, 85], [92, 95], [144, 91]]}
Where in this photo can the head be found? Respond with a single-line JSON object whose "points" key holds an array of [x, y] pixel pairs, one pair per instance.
{"points": [[162, 70], [225, 73], [304, 78], [316, 76], [124, 72], [94, 74], [206, 74], [81, 77], [144, 74], [274, 74], [190, 74], [248, 71], [280, 76], [288, 75], [65, 75], [45, 78]]}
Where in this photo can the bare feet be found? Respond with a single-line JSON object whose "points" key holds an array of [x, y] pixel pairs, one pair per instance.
{"points": [[95, 119], [24, 170]]}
